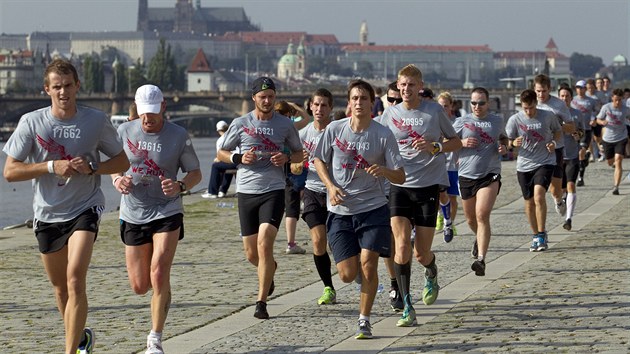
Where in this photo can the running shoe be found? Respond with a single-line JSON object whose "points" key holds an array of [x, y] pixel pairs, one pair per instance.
{"points": [[561, 208], [615, 191], [431, 290], [539, 243], [448, 233], [395, 300], [474, 251], [567, 225], [207, 195], [408, 317], [154, 345], [88, 346], [364, 331], [580, 182], [261, 310], [295, 249], [439, 225], [329, 297], [479, 267]]}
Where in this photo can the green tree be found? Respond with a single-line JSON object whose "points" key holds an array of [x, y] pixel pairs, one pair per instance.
{"points": [[162, 68], [93, 76], [585, 65], [136, 76]]}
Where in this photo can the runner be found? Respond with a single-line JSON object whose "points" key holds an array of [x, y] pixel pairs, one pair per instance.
{"points": [[59, 147], [535, 133], [262, 136], [614, 116], [483, 139], [352, 158], [542, 86], [588, 107], [315, 211], [448, 196], [571, 150], [419, 125], [151, 209]]}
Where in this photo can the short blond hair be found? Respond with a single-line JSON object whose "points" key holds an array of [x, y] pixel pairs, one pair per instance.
{"points": [[446, 96], [410, 71]]}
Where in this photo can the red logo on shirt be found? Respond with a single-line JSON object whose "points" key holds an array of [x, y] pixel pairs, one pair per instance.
{"points": [[152, 167]]}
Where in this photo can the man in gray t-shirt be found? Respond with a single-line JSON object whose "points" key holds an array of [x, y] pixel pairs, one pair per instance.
{"points": [[542, 86], [151, 209], [264, 138], [419, 126], [59, 147], [483, 139], [535, 133], [588, 107], [315, 211], [352, 157], [614, 117]]}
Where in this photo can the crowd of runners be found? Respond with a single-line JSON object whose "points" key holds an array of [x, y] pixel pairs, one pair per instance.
{"points": [[377, 182]]}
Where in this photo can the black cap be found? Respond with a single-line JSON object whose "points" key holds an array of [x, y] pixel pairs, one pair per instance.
{"points": [[427, 93], [262, 83]]}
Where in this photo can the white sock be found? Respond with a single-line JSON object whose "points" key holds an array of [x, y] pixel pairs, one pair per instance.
{"points": [[364, 317], [156, 335], [480, 257], [571, 202]]}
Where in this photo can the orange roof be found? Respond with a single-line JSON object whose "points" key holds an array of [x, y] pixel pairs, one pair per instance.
{"points": [[282, 38], [429, 48], [200, 63], [551, 44]]}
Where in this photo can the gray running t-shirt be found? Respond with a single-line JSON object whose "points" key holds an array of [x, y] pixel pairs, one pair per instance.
{"points": [[41, 137], [265, 137], [152, 155], [347, 154], [484, 159], [588, 107], [536, 133], [310, 139], [559, 108], [617, 119], [429, 121], [572, 146]]}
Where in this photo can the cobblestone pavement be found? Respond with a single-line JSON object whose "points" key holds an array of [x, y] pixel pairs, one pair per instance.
{"points": [[573, 297]]}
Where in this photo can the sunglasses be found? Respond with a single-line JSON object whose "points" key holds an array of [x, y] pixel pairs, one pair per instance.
{"points": [[478, 103], [393, 99]]}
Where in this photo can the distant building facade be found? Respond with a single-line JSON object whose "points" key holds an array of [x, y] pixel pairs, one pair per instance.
{"points": [[530, 62], [20, 71], [186, 18]]}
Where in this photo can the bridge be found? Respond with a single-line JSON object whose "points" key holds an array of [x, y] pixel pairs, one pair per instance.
{"points": [[199, 112]]}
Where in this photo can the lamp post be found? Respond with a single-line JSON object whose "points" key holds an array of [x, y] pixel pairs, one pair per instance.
{"points": [[115, 66], [132, 67]]}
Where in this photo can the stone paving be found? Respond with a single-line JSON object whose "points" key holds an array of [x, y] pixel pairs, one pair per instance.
{"points": [[572, 298]]}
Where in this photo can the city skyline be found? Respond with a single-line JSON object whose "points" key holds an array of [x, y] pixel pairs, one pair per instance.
{"points": [[511, 25]]}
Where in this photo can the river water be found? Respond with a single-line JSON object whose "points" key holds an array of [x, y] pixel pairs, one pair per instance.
{"points": [[16, 199]]}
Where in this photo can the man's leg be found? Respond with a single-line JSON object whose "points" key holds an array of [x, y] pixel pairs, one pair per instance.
{"points": [[486, 198], [541, 207], [369, 281], [266, 263], [67, 271], [618, 169], [530, 212], [164, 247]]}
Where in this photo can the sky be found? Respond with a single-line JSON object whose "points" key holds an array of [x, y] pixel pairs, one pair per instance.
{"points": [[596, 27]]}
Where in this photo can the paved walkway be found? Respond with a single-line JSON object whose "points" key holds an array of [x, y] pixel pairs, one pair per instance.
{"points": [[573, 297]]}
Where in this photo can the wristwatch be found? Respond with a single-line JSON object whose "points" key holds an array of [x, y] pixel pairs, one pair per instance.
{"points": [[182, 186], [93, 166]]}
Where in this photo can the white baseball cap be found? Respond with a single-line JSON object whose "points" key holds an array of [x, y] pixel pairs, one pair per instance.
{"points": [[222, 125], [580, 83], [149, 99]]}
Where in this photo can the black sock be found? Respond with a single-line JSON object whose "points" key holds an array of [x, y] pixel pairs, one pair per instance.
{"points": [[403, 274], [322, 263], [393, 283], [431, 269]]}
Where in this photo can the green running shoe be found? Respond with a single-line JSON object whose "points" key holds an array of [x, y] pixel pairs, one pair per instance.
{"points": [[364, 331], [431, 290], [329, 297], [408, 317], [439, 225]]}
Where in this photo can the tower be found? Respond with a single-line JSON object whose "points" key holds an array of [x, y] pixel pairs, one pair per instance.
{"points": [[143, 15], [183, 16], [363, 34]]}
